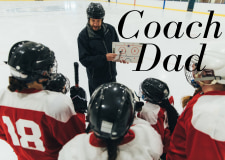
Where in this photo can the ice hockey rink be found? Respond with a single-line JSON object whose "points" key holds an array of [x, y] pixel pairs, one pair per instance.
{"points": [[57, 24]]}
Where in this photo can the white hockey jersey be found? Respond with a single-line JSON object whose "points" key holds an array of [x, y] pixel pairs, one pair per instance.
{"points": [[141, 142], [37, 123]]}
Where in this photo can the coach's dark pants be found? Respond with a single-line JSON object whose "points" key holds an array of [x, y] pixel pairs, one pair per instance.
{"points": [[93, 84]]}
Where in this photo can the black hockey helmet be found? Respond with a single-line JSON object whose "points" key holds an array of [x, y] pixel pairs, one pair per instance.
{"points": [[111, 110], [95, 11], [30, 61], [59, 83], [154, 91]]}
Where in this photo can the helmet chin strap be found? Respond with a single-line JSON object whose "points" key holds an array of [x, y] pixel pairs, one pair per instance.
{"points": [[212, 83], [214, 80]]}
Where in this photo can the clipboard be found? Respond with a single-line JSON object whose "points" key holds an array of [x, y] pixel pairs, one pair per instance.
{"points": [[127, 51]]}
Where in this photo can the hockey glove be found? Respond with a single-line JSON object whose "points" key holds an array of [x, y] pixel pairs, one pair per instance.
{"points": [[78, 96]]}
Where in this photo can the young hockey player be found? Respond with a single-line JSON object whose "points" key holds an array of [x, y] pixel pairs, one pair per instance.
{"points": [[111, 113], [158, 110], [35, 122], [199, 133]]}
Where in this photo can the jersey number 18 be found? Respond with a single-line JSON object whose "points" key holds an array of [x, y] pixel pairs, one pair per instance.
{"points": [[25, 139]]}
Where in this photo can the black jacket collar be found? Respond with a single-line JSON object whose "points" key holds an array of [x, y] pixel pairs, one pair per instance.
{"points": [[92, 34]]}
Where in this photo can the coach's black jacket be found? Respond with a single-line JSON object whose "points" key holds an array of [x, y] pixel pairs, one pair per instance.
{"points": [[92, 52]]}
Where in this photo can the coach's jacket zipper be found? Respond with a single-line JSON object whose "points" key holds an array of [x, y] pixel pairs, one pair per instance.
{"points": [[109, 61]]}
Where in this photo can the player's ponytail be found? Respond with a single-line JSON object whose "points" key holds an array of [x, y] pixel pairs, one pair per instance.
{"points": [[15, 84], [112, 148], [171, 113]]}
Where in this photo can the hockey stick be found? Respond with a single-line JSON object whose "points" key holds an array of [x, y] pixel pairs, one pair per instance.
{"points": [[76, 74], [79, 90], [77, 93]]}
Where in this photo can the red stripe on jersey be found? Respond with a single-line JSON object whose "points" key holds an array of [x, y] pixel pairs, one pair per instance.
{"points": [[35, 135]]}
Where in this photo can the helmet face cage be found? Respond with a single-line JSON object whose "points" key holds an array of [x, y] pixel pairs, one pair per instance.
{"points": [[48, 74], [212, 65], [67, 86], [140, 93], [194, 77], [32, 60], [190, 79], [191, 72], [111, 110], [95, 11], [59, 83], [53, 67], [153, 90]]}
